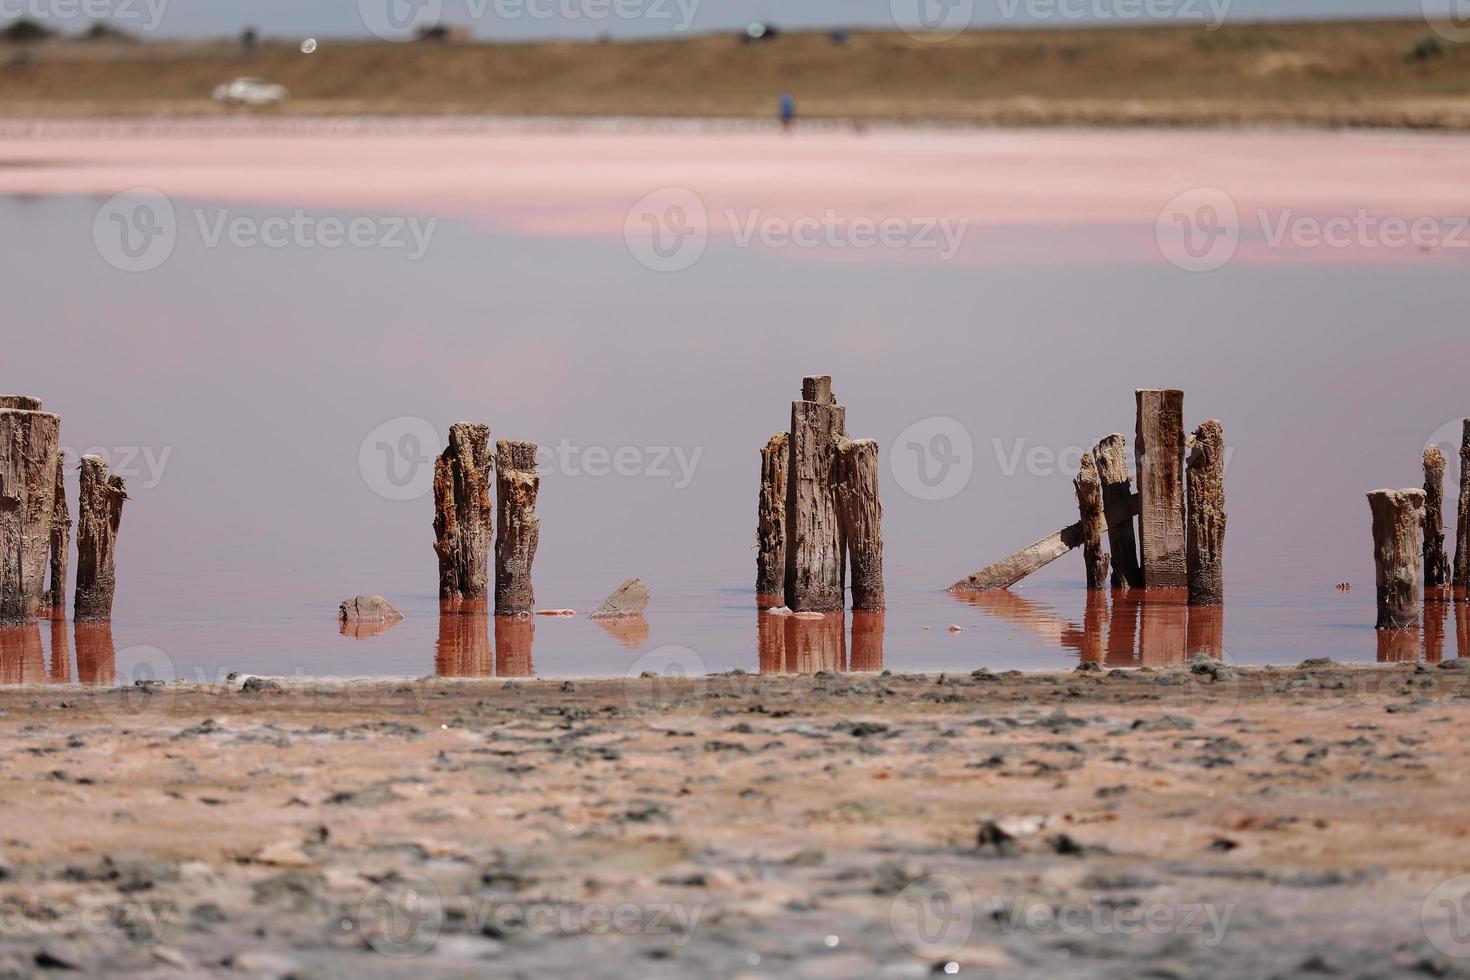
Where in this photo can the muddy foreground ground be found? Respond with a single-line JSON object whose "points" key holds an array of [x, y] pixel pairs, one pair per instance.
{"points": [[1165, 823]]}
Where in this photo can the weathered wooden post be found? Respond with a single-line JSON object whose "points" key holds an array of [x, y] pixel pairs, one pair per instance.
{"points": [[29, 460], [516, 486], [1398, 520], [1159, 450], [814, 551], [462, 515], [1462, 514], [1205, 516], [770, 529], [99, 514], [1090, 507], [1117, 493], [861, 518], [55, 598], [1436, 562]]}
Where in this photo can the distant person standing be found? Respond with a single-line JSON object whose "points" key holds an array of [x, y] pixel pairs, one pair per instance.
{"points": [[787, 112]]}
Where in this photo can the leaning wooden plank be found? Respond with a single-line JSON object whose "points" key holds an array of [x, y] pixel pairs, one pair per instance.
{"points": [[1011, 569]]}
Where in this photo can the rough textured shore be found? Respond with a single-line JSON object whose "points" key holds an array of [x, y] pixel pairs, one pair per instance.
{"points": [[1143, 823]]}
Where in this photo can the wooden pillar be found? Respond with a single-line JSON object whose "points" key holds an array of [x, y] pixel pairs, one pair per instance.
{"points": [[516, 486], [770, 529], [1205, 516], [861, 517], [99, 514], [1398, 521], [1090, 507], [29, 460], [1117, 492], [1462, 514], [1436, 562], [55, 598], [814, 552], [1159, 450], [462, 515]]}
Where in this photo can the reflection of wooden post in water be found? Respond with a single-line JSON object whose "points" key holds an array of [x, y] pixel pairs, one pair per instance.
{"points": [[770, 528], [516, 486], [1123, 629], [1019, 610], [55, 599], [513, 638], [1163, 627], [1462, 626], [1094, 628], [861, 516], [463, 646], [29, 460], [60, 652], [1398, 521], [1159, 451], [1090, 511], [462, 515], [1436, 562], [96, 655], [816, 644], [1436, 610], [99, 513], [1462, 514], [770, 643], [814, 552], [1398, 646], [22, 660], [1205, 516], [1117, 493], [630, 631], [867, 641], [1206, 632]]}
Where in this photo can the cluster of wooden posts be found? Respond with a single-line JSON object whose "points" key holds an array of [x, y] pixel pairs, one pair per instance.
{"points": [[1408, 525], [819, 511], [1180, 506], [35, 524], [464, 522]]}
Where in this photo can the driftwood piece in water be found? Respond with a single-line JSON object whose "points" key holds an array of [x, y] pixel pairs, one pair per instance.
{"points": [[462, 516], [99, 514], [628, 599], [29, 460], [1462, 514], [1110, 456], [1398, 521], [1159, 451], [516, 486], [55, 598], [861, 517], [814, 553], [1012, 568], [770, 528], [1436, 562], [1091, 524], [1205, 516]]}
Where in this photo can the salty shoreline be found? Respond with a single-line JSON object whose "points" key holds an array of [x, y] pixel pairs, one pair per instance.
{"points": [[1233, 822]]}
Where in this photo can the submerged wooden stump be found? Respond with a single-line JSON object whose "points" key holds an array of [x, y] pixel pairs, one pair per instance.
{"points": [[1159, 451], [462, 516], [1462, 514], [1090, 508], [1398, 521], [516, 486], [1117, 489], [1012, 568], [1205, 516], [99, 513], [770, 529], [29, 464], [1436, 562], [814, 552], [55, 598], [861, 518]]}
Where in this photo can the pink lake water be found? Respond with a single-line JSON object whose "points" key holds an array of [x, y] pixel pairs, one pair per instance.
{"points": [[274, 404]]}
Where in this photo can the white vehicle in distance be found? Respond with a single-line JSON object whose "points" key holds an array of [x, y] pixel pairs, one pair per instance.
{"points": [[250, 91]]}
